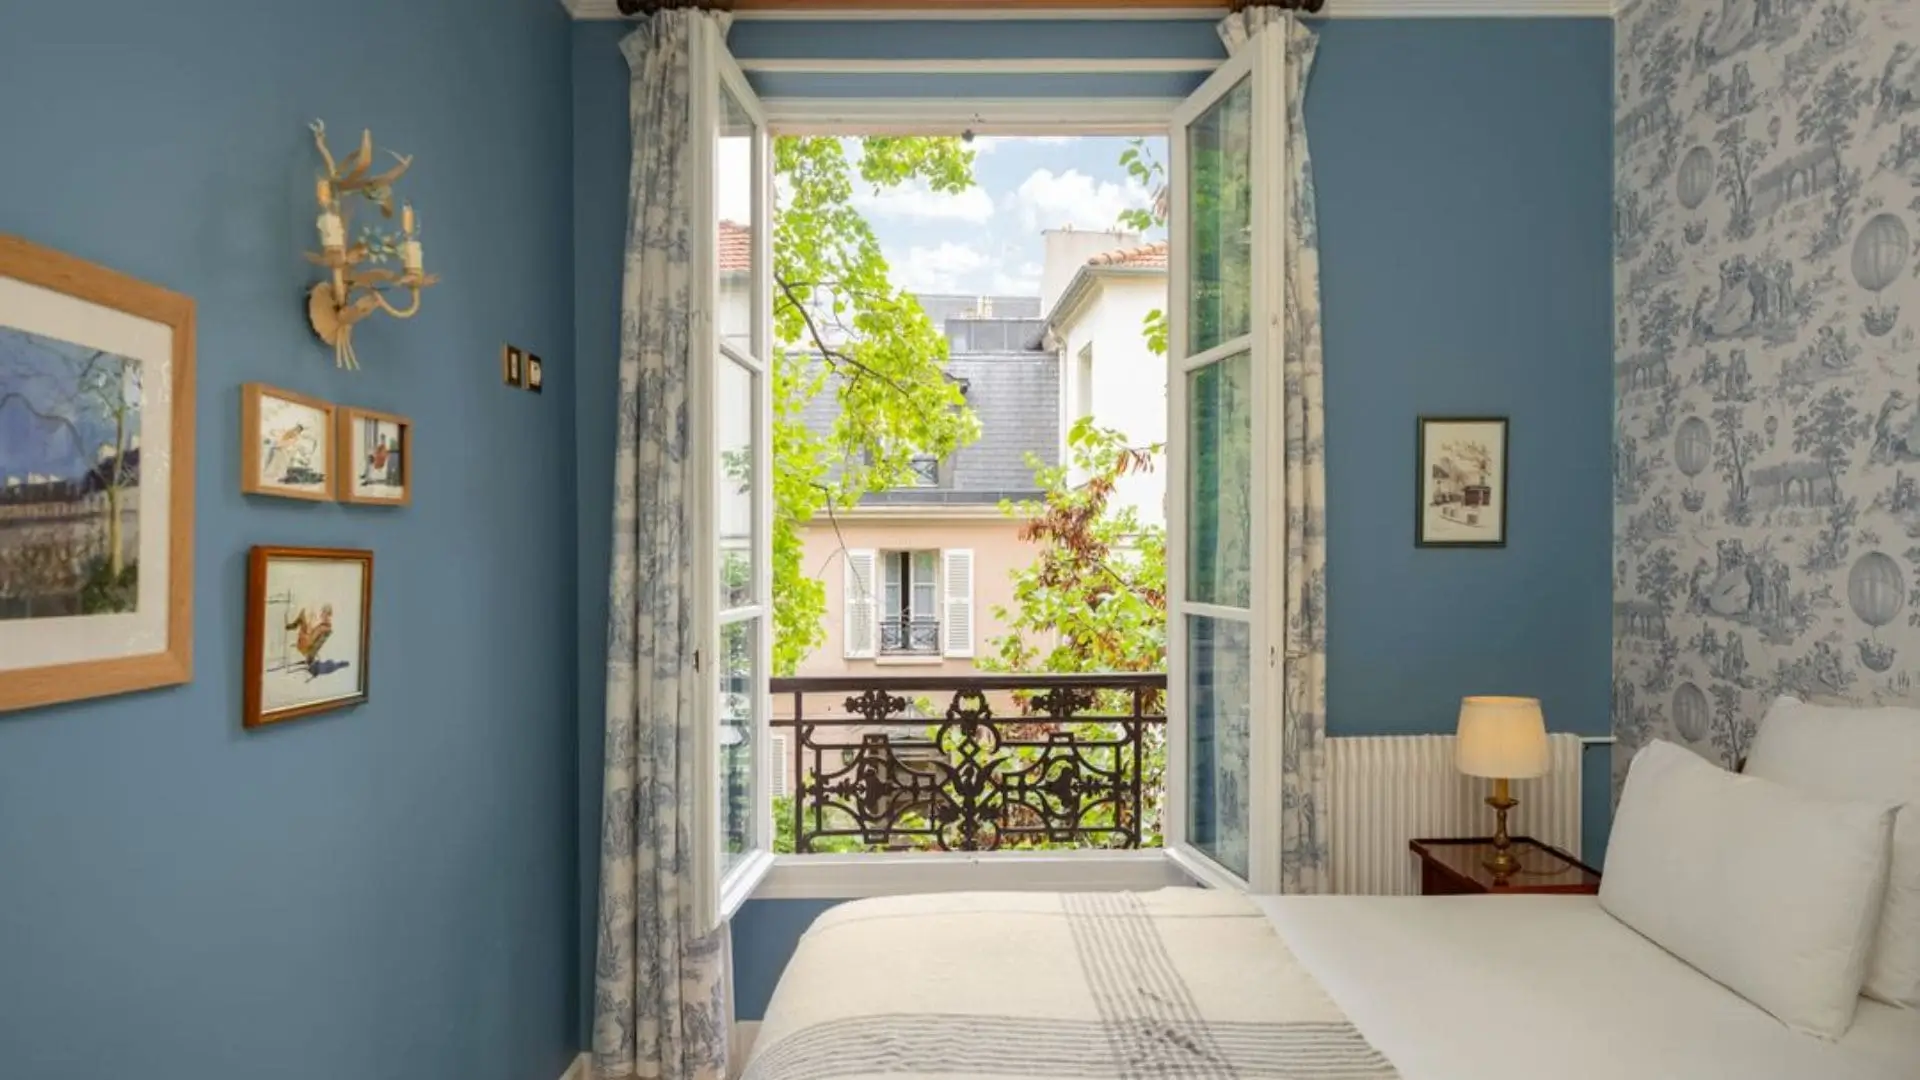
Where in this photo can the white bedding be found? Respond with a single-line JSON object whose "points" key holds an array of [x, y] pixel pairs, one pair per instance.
{"points": [[1553, 988]]}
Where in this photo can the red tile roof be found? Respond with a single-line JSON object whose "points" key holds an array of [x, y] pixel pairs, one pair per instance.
{"points": [[736, 247], [1147, 257]]}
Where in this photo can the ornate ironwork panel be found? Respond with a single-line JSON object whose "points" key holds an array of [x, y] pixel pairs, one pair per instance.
{"points": [[976, 763], [906, 634]]}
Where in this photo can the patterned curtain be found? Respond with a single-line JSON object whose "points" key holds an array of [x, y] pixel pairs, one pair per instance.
{"points": [[1304, 769], [661, 1005]]}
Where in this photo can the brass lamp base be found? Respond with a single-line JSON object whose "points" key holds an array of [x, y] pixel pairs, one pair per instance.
{"points": [[1501, 862]]}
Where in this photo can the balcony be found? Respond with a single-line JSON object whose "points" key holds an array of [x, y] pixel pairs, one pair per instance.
{"points": [[905, 635], [970, 763]]}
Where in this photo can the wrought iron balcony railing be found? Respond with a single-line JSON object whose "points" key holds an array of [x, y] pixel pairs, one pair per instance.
{"points": [[906, 634], [973, 763]]}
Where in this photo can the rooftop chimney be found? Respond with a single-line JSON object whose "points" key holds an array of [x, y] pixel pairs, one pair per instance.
{"points": [[1067, 250]]}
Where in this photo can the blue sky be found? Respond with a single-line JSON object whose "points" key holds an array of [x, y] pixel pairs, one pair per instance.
{"points": [[61, 440], [987, 240]]}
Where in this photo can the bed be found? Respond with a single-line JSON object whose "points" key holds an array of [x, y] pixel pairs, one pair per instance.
{"points": [[1192, 983]]}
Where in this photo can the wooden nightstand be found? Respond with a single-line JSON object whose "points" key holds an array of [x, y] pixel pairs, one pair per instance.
{"points": [[1451, 867]]}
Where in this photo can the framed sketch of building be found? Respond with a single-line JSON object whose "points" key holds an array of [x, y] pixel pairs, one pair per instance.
{"points": [[1461, 482]]}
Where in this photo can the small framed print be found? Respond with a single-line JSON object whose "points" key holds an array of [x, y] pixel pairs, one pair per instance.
{"points": [[1461, 482], [513, 366], [536, 373], [376, 458], [309, 631], [288, 444]]}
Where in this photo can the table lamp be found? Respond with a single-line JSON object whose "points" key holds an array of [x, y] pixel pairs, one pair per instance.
{"points": [[1503, 739]]}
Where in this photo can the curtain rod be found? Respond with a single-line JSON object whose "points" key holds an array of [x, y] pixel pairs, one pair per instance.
{"points": [[631, 8]]}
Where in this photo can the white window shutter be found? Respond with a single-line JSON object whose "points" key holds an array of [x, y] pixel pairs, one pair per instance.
{"points": [[860, 629], [780, 753], [956, 628]]}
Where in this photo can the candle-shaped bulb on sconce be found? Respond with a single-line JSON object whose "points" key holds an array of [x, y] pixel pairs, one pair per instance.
{"points": [[333, 230], [412, 256]]}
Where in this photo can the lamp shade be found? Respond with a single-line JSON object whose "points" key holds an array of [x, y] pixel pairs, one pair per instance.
{"points": [[1502, 738]]}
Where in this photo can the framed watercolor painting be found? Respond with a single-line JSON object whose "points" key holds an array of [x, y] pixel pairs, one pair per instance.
{"points": [[1461, 482], [376, 457], [96, 480], [287, 444], [309, 626]]}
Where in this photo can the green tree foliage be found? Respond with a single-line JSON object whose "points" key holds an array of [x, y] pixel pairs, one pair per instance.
{"points": [[844, 329], [1148, 171], [1095, 597]]}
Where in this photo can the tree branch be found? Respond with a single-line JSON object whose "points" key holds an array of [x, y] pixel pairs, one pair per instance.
{"points": [[832, 355]]}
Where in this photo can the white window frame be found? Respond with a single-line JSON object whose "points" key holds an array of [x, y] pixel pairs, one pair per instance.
{"points": [[1262, 62], [889, 874], [1083, 407], [719, 892], [906, 561]]}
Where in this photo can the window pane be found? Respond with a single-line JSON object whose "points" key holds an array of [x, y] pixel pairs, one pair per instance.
{"points": [[925, 470], [736, 481], [1220, 483], [1219, 700], [892, 602], [733, 200], [1220, 216], [738, 701]]}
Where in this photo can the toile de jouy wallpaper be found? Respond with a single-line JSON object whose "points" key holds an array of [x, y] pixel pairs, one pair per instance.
{"points": [[1767, 363]]}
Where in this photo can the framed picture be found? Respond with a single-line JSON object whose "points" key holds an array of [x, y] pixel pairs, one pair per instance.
{"points": [[513, 366], [536, 373], [376, 457], [1461, 482], [96, 480], [287, 444], [309, 625]]}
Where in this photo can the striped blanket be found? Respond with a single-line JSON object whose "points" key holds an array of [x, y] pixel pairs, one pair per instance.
{"points": [[1180, 983]]}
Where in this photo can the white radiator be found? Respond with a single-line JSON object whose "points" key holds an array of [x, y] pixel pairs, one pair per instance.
{"points": [[1390, 789]]}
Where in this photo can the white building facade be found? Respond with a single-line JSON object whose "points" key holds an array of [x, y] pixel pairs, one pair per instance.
{"points": [[1097, 290]]}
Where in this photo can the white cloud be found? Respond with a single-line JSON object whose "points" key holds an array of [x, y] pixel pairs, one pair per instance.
{"points": [[918, 201], [987, 144], [939, 269], [1049, 200], [1023, 280]]}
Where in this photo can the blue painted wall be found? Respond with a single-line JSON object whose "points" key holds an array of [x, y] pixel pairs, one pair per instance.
{"points": [[383, 893], [1463, 169]]}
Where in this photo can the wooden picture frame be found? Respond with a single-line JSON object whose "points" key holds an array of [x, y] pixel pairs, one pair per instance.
{"points": [[1460, 482], [369, 443], [536, 373], [513, 366], [120, 630], [298, 441], [309, 632]]}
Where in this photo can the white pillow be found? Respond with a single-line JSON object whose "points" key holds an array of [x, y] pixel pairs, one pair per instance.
{"points": [[1772, 892], [1854, 753]]}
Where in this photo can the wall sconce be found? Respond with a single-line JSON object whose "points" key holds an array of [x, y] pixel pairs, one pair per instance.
{"points": [[356, 292]]}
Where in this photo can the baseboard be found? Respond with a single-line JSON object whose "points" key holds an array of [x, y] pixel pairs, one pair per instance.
{"points": [[744, 1032], [581, 1069]]}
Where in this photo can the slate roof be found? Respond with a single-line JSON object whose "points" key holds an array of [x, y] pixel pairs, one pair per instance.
{"points": [[1014, 392]]}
